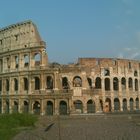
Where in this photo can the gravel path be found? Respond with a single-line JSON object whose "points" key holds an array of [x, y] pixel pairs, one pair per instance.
{"points": [[98, 127]]}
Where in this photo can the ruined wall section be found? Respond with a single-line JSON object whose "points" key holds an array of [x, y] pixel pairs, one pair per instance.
{"points": [[19, 36], [21, 48]]}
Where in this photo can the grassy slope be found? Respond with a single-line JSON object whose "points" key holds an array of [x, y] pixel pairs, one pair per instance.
{"points": [[10, 125]]}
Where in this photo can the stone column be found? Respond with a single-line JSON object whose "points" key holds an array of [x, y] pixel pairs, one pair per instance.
{"points": [[112, 104], [56, 107], [84, 80], [10, 106], [56, 80], [42, 81], [19, 106], [84, 107], [20, 90], [2, 106], [121, 104], [11, 86], [30, 85], [20, 65], [103, 84], [31, 107], [42, 107], [120, 87], [30, 61], [128, 104]]}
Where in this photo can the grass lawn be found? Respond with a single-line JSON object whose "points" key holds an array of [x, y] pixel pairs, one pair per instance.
{"points": [[11, 124]]}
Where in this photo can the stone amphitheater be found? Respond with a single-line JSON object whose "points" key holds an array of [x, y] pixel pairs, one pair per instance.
{"points": [[30, 84]]}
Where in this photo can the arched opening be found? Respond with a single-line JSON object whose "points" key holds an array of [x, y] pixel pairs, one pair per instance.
{"points": [[16, 61], [137, 103], [65, 84], [123, 83], [91, 106], [49, 82], [37, 83], [107, 105], [15, 107], [36, 107], [26, 84], [124, 105], [131, 103], [37, 59], [77, 81], [135, 73], [7, 109], [15, 84], [78, 106], [62, 108], [107, 84], [26, 60], [130, 83], [116, 104], [49, 109], [115, 83], [26, 107], [7, 85], [101, 105], [89, 82], [136, 84], [106, 72], [98, 83]]}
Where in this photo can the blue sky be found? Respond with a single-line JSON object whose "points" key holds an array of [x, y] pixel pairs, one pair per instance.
{"points": [[80, 28]]}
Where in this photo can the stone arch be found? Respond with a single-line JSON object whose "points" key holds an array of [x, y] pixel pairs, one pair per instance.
{"points": [[15, 106], [26, 83], [124, 104], [101, 105], [136, 84], [37, 59], [135, 73], [107, 84], [49, 109], [26, 60], [98, 83], [137, 103], [7, 85], [107, 105], [36, 107], [25, 106], [37, 83], [15, 84], [77, 81], [89, 82], [130, 83], [123, 83], [131, 104], [49, 82], [115, 83], [65, 83], [106, 72], [63, 108], [116, 104], [78, 106], [91, 106]]}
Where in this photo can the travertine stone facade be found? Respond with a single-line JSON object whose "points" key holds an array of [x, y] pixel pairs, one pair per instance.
{"points": [[30, 84]]}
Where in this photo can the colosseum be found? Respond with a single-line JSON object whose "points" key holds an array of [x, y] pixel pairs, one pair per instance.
{"points": [[30, 84]]}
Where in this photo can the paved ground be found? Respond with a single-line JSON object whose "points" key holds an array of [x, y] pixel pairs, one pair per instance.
{"points": [[96, 127]]}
